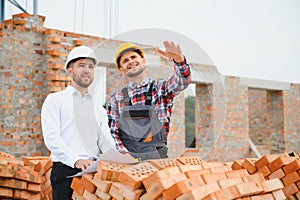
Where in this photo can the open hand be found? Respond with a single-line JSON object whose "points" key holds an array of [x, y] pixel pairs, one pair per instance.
{"points": [[83, 164], [172, 51]]}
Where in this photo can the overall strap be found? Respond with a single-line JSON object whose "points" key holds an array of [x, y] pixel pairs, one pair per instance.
{"points": [[127, 100]]}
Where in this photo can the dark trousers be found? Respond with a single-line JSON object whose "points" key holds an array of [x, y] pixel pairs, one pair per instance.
{"points": [[61, 189]]}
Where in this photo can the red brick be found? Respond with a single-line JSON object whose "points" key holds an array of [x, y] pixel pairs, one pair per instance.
{"points": [[161, 174], [225, 193], [271, 185], [220, 169], [186, 168], [163, 163], [254, 178], [291, 178], [128, 193], [249, 188], [31, 176], [237, 173], [292, 166], [229, 182], [23, 194], [265, 160], [115, 191], [6, 192], [34, 187], [290, 190], [262, 196], [278, 195], [280, 162], [6, 171], [182, 187], [200, 192], [190, 160], [264, 170], [87, 182], [160, 185], [211, 178], [277, 174], [208, 165], [193, 173], [101, 184], [134, 175], [297, 195], [237, 164], [76, 185], [110, 171], [77, 196], [88, 195], [102, 195], [13, 183], [249, 166]]}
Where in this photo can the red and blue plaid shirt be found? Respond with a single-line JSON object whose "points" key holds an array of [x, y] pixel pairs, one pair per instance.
{"points": [[163, 93]]}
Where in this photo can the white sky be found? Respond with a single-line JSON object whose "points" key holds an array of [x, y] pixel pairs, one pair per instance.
{"points": [[249, 38]]}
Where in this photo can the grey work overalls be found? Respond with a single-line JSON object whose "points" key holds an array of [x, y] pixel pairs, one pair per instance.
{"points": [[140, 129]]}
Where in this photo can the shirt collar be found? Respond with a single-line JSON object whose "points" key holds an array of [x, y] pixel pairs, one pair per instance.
{"points": [[145, 82], [72, 91]]}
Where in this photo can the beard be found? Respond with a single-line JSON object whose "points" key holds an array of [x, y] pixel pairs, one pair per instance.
{"points": [[136, 72], [83, 82]]}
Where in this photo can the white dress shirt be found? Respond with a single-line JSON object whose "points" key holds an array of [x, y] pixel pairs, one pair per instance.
{"points": [[68, 131]]}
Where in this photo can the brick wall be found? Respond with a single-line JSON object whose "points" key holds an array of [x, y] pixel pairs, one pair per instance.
{"points": [[227, 112]]}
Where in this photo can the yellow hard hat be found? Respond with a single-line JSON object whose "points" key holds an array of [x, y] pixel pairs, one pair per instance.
{"points": [[124, 48]]}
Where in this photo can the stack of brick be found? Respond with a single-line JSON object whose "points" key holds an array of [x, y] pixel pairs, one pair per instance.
{"points": [[285, 167], [28, 178], [188, 178]]}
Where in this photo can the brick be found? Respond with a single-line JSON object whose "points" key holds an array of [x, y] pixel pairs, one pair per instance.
{"points": [[249, 188], [278, 195], [290, 178], [110, 171], [271, 185], [182, 187], [193, 173], [186, 168], [262, 196], [157, 187], [220, 169], [163, 163], [264, 170], [229, 182], [101, 184], [237, 164], [134, 175], [115, 191], [225, 193], [298, 184], [297, 195], [254, 178], [89, 196], [102, 195], [77, 196], [249, 166], [13, 183], [237, 173], [211, 178], [6, 171], [265, 160], [34, 187], [129, 194], [290, 190], [279, 173], [160, 174], [76, 185], [23, 194], [31, 176], [200, 192], [190, 160], [208, 165], [292, 166], [280, 162], [87, 182], [6, 192]]}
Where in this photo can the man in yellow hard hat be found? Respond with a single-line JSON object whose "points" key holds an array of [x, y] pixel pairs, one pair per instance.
{"points": [[75, 130], [139, 114]]}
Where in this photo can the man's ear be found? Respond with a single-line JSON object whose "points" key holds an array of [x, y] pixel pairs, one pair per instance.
{"points": [[69, 70], [144, 60]]}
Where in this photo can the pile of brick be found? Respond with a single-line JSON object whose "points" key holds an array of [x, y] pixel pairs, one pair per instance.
{"points": [[271, 177], [28, 178]]}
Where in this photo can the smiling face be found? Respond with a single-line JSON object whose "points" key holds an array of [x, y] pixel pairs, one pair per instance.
{"points": [[82, 72], [132, 64]]}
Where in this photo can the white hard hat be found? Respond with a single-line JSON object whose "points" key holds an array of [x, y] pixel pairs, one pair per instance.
{"points": [[80, 52]]}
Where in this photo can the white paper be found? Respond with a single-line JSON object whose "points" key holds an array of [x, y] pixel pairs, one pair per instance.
{"points": [[111, 155]]}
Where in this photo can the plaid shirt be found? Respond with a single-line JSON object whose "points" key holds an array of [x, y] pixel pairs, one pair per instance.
{"points": [[163, 94]]}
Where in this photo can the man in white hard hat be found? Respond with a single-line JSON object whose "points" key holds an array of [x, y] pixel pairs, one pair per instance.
{"points": [[139, 114], [75, 131]]}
